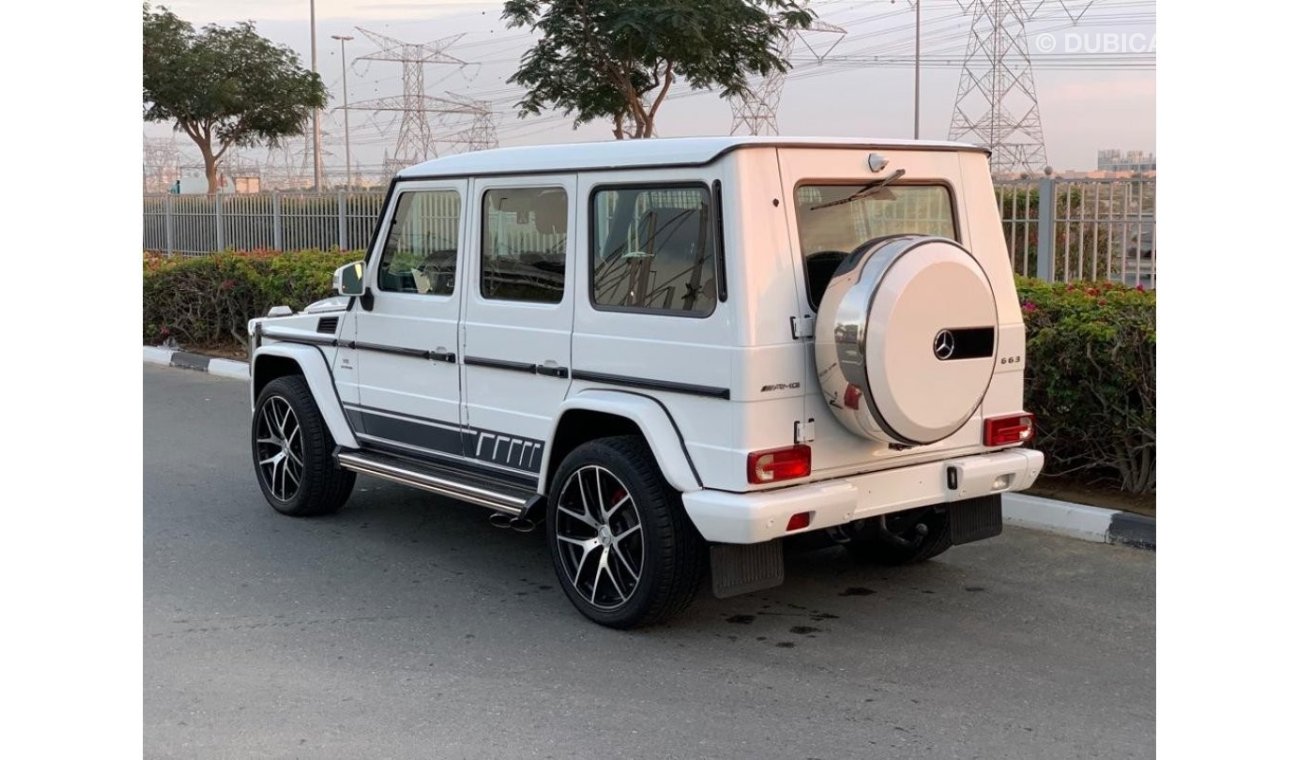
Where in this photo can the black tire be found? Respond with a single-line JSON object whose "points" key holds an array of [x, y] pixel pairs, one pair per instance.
{"points": [[871, 545], [322, 487], [671, 550]]}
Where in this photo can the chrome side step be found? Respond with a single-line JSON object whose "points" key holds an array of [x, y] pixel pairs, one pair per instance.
{"points": [[444, 481]]}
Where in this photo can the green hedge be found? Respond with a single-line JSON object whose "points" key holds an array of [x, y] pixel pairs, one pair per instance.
{"points": [[209, 300], [1090, 373], [1091, 379]]}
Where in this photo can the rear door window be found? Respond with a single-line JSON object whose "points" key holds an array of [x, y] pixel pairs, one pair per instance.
{"points": [[525, 231]]}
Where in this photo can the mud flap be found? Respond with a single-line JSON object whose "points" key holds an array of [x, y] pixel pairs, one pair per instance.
{"points": [[742, 568], [975, 519]]}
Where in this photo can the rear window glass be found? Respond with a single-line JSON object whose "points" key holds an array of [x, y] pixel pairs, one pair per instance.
{"points": [[653, 250], [830, 229]]}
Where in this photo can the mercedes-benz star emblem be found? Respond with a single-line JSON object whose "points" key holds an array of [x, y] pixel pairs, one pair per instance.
{"points": [[944, 344]]}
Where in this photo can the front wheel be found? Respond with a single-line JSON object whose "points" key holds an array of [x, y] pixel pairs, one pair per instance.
{"points": [[293, 452], [623, 549]]}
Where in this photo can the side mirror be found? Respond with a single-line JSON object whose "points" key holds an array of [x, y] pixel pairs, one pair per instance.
{"points": [[347, 279]]}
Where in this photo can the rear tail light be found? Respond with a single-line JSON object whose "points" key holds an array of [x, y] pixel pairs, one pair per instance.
{"points": [[773, 465], [1004, 431]]}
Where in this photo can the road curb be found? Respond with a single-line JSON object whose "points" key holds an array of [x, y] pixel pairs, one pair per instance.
{"points": [[1096, 524], [1102, 526], [198, 362]]}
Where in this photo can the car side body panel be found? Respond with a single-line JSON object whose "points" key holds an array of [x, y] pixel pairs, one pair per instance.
{"points": [[659, 429], [315, 369]]}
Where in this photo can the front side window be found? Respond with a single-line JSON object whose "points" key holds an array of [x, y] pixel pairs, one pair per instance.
{"points": [[525, 234], [653, 249], [423, 241], [830, 229]]}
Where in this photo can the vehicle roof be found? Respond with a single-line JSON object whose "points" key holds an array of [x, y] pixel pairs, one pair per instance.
{"points": [[623, 154]]}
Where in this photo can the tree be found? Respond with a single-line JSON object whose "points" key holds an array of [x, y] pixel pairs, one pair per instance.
{"points": [[224, 86], [617, 59]]}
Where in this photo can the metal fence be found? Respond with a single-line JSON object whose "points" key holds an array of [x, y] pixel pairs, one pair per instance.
{"points": [[196, 225], [1102, 229]]}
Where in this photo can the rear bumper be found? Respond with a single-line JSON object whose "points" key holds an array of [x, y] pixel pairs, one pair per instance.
{"points": [[749, 518]]}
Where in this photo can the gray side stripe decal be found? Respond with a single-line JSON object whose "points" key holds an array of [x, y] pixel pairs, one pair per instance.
{"points": [[518, 453]]}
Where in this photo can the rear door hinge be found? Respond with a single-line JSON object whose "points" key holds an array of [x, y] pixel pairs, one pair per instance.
{"points": [[805, 432], [802, 328]]}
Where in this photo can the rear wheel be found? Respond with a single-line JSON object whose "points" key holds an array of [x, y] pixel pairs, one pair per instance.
{"points": [[902, 538], [293, 452], [623, 549]]}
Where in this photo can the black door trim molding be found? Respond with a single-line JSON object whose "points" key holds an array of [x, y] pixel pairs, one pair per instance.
{"points": [[708, 391]]}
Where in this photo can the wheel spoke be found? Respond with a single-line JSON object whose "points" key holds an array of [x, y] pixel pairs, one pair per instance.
{"points": [[274, 458], [612, 580], [577, 574], [600, 499], [619, 553], [270, 441], [584, 519], [627, 533], [276, 478], [626, 498], [587, 544], [602, 566], [268, 419], [288, 414], [293, 457], [586, 506]]}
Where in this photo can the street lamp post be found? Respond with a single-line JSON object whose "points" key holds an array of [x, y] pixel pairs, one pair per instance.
{"points": [[347, 139], [315, 112], [916, 109]]}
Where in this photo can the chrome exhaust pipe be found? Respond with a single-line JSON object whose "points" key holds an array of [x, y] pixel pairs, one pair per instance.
{"points": [[518, 524]]}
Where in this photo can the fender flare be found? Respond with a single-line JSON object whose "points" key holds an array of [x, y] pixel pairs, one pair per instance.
{"points": [[656, 425], [316, 372]]}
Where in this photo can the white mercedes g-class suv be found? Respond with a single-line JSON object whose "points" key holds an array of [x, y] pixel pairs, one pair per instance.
{"points": [[671, 355]]}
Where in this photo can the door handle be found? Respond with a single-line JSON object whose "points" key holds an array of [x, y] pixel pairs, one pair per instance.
{"points": [[443, 355], [552, 370]]}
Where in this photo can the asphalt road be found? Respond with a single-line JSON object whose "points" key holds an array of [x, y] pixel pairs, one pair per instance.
{"points": [[407, 626]]}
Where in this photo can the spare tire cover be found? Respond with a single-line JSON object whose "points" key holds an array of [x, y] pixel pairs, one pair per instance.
{"points": [[906, 339]]}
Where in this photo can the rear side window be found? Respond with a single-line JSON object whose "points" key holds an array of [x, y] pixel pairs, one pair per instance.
{"points": [[525, 238], [653, 249], [423, 240], [830, 228]]}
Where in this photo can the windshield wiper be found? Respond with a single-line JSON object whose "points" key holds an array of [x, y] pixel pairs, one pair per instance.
{"points": [[868, 189]]}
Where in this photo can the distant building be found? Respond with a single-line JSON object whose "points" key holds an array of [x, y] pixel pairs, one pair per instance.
{"points": [[1136, 161]]}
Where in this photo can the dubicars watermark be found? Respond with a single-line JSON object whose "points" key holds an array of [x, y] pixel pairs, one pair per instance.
{"points": [[1095, 42]]}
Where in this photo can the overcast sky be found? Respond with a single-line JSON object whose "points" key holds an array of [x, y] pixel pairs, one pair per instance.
{"points": [[1084, 108]]}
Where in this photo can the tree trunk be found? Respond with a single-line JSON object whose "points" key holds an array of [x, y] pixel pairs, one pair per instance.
{"points": [[210, 169], [202, 137]]}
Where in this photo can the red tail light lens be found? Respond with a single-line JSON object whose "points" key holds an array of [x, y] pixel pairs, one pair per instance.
{"points": [[780, 464], [1004, 431]]}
